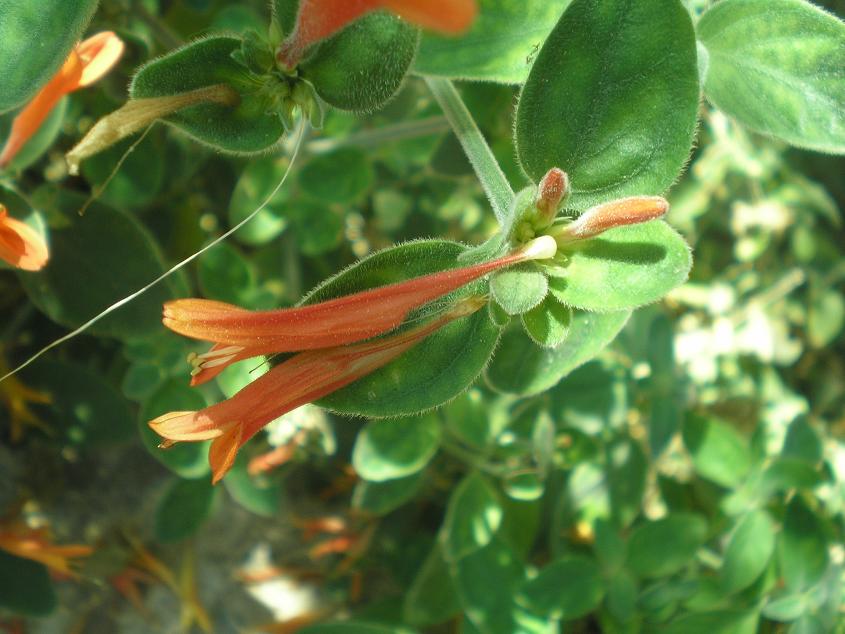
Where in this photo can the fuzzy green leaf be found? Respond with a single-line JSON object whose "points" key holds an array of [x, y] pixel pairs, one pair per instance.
{"points": [[363, 66], [251, 126], [548, 324], [612, 99], [519, 289], [623, 268], [390, 449], [521, 367], [500, 45], [776, 65]]}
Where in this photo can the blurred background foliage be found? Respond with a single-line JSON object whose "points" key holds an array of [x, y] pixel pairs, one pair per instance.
{"points": [[689, 479]]}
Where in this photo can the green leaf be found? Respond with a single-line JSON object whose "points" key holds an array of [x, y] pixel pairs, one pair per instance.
{"points": [[721, 622], [25, 586], [362, 67], [390, 449], [184, 507], [342, 176], [627, 469], [548, 323], [317, 226], [565, 589], [259, 494], [592, 399], [138, 181], [226, 275], [429, 374], [623, 268], [353, 627], [500, 45], [612, 99], [26, 61], [432, 597], [255, 184], [802, 442], [252, 126], [95, 261], [83, 407], [519, 289], [776, 66], [609, 547], [381, 498], [786, 608], [621, 598], [521, 367], [187, 459], [718, 452], [473, 517], [802, 547], [39, 142], [749, 551], [663, 547]]}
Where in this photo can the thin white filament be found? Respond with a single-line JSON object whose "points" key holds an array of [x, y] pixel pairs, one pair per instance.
{"points": [[170, 271]]}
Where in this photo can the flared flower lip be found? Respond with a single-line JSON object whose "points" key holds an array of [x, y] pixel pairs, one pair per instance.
{"points": [[20, 245]]}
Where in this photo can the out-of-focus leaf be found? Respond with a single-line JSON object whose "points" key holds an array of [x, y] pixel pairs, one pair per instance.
{"points": [[225, 275], [255, 184], [258, 494], [802, 547], [183, 508], [748, 552], [775, 66], [381, 498], [25, 586], [565, 589], [500, 46], [432, 597], [662, 547], [724, 622], [390, 449], [718, 452], [611, 99], [139, 179], [342, 176], [472, 519]]}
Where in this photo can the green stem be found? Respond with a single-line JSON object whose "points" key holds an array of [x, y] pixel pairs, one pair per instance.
{"points": [[493, 180]]}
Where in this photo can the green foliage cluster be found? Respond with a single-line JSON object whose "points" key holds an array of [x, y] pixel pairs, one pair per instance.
{"points": [[620, 441]]}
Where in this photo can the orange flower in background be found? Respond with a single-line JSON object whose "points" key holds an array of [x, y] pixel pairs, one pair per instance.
{"points": [[87, 63], [240, 334], [301, 379], [35, 543], [318, 19], [21, 245]]}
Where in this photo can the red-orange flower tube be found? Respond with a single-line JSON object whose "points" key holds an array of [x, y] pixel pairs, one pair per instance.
{"points": [[301, 379], [21, 245], [239, 333], [87, 63], [318, 19]]}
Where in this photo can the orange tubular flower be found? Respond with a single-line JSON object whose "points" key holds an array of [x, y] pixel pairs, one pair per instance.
{"points": [[21, 245], [87, 63], [301, 379], [35, 544], [239, 333], [318, 19]]}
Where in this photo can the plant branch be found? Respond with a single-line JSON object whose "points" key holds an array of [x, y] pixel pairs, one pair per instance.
{"points": [[493, 180]]}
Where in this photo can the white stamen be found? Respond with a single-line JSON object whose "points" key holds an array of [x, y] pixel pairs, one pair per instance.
{"points": [[215, 362]]}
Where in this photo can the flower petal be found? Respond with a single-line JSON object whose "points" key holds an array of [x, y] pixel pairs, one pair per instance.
{"points": [[99, 53], [21, 245], [448, 16], [223, 451]]}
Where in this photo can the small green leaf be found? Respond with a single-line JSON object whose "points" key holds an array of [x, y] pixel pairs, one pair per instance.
{"points": [[802, 547], [184, 507], [395, 448], [473, 517], [609, 547], [565, 589], [259, 494], [748, 552], [189, 459], [548, 324], [723, 622], [786, 608], [117, 255], [381, 498], [353, 627], [718, 452], [623, 268], [621, 598], [362, 67], [627, 469], [140, 177], [500, 46], [611, 99], [802, 442], [342, 176], [663, 547], [521, 367], [776, 66], [255, 184], [226, 275], [431, 373], [432, 597], [27, 62], [252, 126], [519, 289], [25, 586]]}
